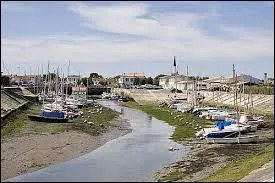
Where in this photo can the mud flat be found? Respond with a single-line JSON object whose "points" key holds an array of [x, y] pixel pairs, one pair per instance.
{"points": [[35, 145]]}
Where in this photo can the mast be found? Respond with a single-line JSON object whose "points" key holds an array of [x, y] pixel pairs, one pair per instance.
{"points": [[79, 83], [37, 79], [234, 90], [49, 77], [67, 79], [187, 82], [235, 99]]}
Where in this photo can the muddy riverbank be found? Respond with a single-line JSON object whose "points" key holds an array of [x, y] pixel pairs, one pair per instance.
{"points": [[206, 161], [39, 145]]}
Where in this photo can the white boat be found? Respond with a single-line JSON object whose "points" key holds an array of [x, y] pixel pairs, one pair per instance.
{"points": [[227, 130], [239, 140]]}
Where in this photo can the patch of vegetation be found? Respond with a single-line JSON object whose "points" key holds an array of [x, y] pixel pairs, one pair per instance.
{"points": [[240, 168], [17, 121], [20, 122], [99, 120], [173, 176], [182, 131]]}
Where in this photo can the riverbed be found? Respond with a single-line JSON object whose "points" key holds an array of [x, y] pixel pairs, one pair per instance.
{"points": [[135, 156]]}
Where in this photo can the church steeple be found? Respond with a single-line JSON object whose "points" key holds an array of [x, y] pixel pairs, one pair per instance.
{"points": [[174, 71]]}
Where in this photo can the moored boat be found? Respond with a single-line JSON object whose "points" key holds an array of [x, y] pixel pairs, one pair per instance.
{"points": [[51, 117]]}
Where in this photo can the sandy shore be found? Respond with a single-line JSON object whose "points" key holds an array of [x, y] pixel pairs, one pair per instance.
{"points": [[33, 151]]}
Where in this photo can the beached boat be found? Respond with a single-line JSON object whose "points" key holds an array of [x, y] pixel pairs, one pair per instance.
{"points": [[50, 117], [239, 140]]}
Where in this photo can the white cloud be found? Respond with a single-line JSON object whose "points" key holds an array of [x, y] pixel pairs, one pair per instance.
{"points": [[166, 34]]}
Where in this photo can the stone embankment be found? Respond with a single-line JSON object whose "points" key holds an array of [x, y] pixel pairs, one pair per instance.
{"points": [[12, 99], [257, 101]]}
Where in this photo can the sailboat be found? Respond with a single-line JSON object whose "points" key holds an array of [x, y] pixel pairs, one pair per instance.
{"points": [[224, 138]]}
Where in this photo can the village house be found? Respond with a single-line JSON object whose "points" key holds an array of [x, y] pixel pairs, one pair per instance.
{"points": [[72, 79], [126, 80], [25, 79]]}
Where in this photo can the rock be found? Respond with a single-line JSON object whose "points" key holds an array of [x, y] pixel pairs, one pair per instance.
{"points": [[88, 116], [90, 123], [82, 116], [85, 121], [101, 125], [198, 146]]}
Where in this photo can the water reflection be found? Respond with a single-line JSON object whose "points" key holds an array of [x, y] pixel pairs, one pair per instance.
{"points": [[133, 157]]}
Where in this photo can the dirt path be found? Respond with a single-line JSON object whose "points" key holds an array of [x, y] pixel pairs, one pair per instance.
{"points": [[263, 174], [33, 151]]}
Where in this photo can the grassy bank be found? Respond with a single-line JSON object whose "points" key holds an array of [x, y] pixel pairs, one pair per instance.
{"points": [[99, 121], [238, 169], [182, 131], [17, 121], [19, 124]]}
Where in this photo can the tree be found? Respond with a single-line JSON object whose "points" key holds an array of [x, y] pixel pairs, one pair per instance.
{"points": [[149, 80], [79, 82], [84, 81], [5, 80], [103, 83], [95, 75], [136, 81], [142, 81], [156, 79]]}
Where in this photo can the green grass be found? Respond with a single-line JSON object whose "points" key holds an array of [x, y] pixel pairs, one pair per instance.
{"points": [[173, 176], [182, 131], [239, 169], [98, 119], [17, 121]]}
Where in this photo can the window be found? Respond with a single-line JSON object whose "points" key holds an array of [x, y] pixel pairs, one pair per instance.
{"points": [[126, 79]]}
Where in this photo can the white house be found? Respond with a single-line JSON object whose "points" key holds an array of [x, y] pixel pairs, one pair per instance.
{"points": [[72, 79], [127, 80]]}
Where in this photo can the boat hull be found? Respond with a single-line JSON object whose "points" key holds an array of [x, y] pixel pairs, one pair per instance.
{"points": [[240, 140], [47, 119]]}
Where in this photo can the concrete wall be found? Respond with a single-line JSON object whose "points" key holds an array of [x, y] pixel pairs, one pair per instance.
{"points": [[10, 102], [259, 102]]}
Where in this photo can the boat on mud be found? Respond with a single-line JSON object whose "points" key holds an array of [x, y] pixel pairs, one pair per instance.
{"points": [[50, 117]]}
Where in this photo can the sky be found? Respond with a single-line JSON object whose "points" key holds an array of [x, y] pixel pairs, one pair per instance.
{"points": [[112, 38]]}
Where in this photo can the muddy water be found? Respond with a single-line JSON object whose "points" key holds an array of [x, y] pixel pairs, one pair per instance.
{"points": [[133, 157]]}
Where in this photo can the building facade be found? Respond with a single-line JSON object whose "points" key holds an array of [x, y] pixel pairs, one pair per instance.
{"points": [[72, 79], [126, 80]]}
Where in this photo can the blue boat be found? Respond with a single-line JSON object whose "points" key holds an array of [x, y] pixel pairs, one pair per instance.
{"points": [[51, 117]]}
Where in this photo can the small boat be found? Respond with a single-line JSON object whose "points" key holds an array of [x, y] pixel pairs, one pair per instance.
{"points": [[239, 140], [51, 117], [123, 100]]}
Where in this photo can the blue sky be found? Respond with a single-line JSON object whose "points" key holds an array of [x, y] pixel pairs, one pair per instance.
{"points": [[116, 37]]}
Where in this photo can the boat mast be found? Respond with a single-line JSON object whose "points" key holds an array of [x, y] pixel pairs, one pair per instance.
{"points": [[187, 81], [49, 78], [235, 99], [79, 83], [67, 79]]}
